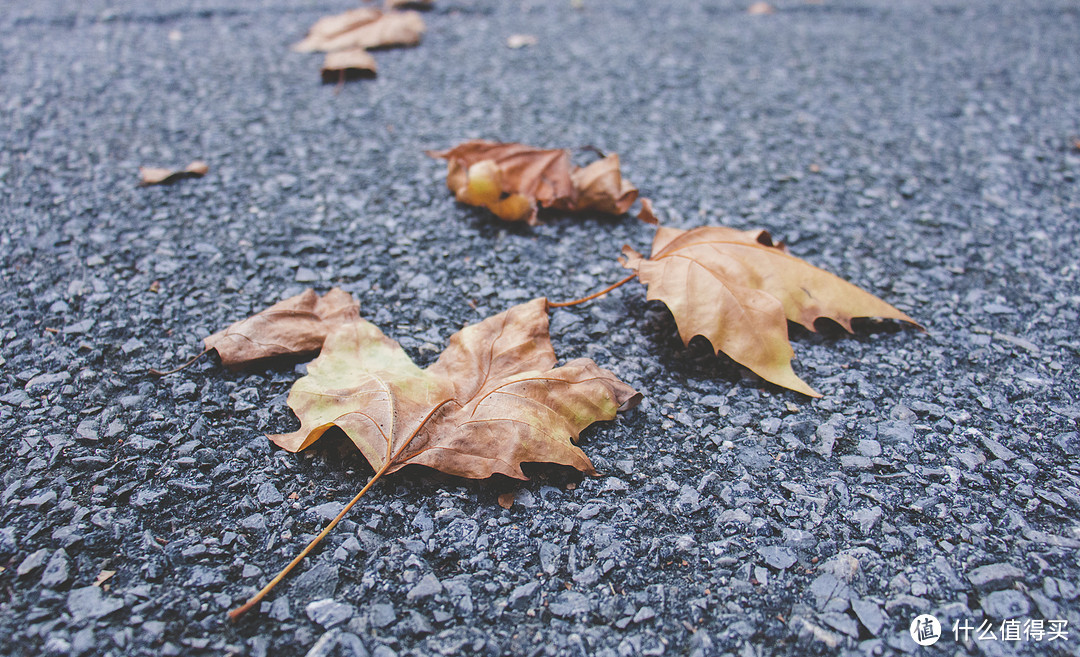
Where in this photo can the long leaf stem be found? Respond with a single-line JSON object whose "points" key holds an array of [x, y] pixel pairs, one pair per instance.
{"points": [[257, 598], [563, 304], [391, 459]]}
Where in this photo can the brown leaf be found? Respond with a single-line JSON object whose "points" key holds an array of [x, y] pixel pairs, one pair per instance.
{"points": [[646, 213], [760, 9], [349, 64], [506, 500], [492, 401], [159, 176], [297, 325], [600, 186], [328, 27], [103, 577], [514, 180], [408, 4], [738, 289], [389, 30]]}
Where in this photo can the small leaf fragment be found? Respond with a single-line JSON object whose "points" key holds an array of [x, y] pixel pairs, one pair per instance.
{"points": [[351, 64], [492, 401], [738, 289], [516, 41], [646, 213], [160, 176], [103, 577], [760, 9], [506, 500], [297, 325]]}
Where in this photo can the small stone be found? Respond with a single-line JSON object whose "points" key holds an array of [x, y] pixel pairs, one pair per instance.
{"points": [[895, 431], [867, 518], [427, 587], [132, 345], [798, 538], [328, 511], [994, 576], [382, 614], [33, 562], [280, 610], [202, 577], [777, 557], [57, 571], [305, 275], [90, 603], [329, 612], [1003, 605], [997, 449], [268, 495], [869, 615], [256, 522], [870, 448], [644, 614], [569, 604], [522, 596]]}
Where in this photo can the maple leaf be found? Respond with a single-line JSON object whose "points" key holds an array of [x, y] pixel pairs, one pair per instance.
{"points": [[493, 400], [159, 176], [738, 289], [515, 180], [296, 325]]}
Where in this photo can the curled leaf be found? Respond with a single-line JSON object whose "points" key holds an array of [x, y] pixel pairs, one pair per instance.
{"points": [[364, 29], [297, 325], [514, 180], [738, 289], [492, 401], [601, 187], [327, 28], [159, 176]]}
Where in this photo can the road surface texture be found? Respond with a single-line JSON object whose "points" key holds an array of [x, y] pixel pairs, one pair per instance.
{"points": [[922, 149]]}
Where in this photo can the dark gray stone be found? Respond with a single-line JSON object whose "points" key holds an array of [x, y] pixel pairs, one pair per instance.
{"points": [[994, 576]]}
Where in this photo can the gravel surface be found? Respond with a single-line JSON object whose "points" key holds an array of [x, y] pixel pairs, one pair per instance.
{"points": [[921, 149]]}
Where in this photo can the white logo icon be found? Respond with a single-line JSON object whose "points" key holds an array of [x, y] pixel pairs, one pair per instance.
{"points": [[925, 630]]}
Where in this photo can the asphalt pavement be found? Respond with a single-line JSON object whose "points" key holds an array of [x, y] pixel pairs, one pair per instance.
{"points": [[923, 149]]}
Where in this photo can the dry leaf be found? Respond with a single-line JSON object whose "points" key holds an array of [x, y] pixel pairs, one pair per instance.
{"points": [[600, 186], [738, 289], [159, 176], [389, 30], [646, 214], [296, 325], [516, 41], [506, 500], [408, 4], [760, 9], [328, 27], [514, 180], [492, 401], [103, 577], [351, 64]]}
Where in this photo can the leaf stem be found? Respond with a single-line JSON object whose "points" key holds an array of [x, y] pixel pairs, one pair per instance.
{"points": [[257, 598], [563, 304], [184, 366], [391, 459]]}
